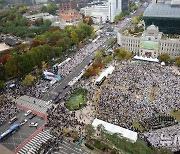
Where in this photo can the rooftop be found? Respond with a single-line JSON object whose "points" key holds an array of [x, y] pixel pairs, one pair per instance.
{"points": [[162, 10]]}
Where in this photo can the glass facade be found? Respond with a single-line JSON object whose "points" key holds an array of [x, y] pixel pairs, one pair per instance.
{"points": [[166, 25]]}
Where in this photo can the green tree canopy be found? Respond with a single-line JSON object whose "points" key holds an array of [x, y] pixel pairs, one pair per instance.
{"points": [[28, 81], [164, 57], [177, 61]]}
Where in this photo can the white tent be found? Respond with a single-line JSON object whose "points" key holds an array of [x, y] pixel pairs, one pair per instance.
{"points": [[131, 135], [146, 59]]}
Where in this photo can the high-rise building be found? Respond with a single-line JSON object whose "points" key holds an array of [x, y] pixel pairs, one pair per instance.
{"points": [[115, 7]]}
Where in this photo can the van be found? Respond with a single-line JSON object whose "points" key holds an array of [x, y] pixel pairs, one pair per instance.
{"points": [[28, 113], [13, 120]]}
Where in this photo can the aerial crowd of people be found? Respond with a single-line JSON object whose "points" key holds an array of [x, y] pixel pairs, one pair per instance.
{"points": [[126, 97], [78, 57], [8, 110], [165, 137]]}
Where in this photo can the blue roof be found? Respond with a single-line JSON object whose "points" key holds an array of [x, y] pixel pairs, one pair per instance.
{"points": [[14, 126]]}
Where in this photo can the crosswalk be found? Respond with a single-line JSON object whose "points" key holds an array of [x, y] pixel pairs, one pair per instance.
{"points": [[33, 104], [33, 146], [70, 148]]}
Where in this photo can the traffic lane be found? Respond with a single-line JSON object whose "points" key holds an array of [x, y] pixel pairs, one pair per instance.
{"points": [[63, 83], [23, 133], [60, 87]]}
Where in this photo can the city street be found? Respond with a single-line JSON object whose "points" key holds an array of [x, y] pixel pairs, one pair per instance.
{"points": [[59, 89], [23, 133]]}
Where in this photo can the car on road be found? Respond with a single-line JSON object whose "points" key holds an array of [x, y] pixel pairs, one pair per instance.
{"points": [[65, 87], [32, 116], [13, 120], [23, 122], [28, 113], [33, 124]]}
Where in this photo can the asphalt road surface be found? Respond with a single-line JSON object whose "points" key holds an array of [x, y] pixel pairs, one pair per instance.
{"points": [[60, 87], [22, 134]]}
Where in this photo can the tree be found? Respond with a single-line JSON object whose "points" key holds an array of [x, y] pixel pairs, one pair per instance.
{"points": [[164, 57], [11, 67], [2, 72], [88, 20], [50, 8], [122, 53], [28, 81], [1, 85], [44, 64], [177, 61], [134, 20], [128, 55], [47, 22], [89, 130], [74, 37]]}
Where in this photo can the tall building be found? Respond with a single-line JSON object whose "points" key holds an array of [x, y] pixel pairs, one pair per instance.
{"points": [[115, 7], [165, 14]]}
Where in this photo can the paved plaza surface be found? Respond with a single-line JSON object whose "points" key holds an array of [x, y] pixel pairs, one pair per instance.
{"points": [[33, 104], [23, 133], [70, 148]]}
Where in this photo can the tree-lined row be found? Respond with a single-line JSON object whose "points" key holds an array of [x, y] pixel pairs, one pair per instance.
{"points": [[52, 44]]}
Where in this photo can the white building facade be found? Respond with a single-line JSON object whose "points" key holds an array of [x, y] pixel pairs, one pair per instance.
{"points": [[150, 44], [114, 8], [103, 12]]}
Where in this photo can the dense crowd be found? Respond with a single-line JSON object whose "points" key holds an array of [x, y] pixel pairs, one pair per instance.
{"points": [[7, 110], [35, 91], [165, 137], [121, 107], [77, 58], [60, 118]]}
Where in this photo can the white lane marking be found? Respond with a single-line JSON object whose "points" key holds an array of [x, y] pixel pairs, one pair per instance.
{"points": [[71, 149]]}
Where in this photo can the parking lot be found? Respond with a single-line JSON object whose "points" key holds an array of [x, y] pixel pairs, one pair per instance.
{"points": [[23, 133]]}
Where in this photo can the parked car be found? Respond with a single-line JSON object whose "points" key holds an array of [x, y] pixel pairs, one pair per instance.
{"points": [[33, 124], [23, 122], [28, 113], [32, 116], [12, 120]]}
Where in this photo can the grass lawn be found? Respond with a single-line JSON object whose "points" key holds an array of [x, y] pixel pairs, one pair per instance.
{"points": [[77, 100], [176, 115]]}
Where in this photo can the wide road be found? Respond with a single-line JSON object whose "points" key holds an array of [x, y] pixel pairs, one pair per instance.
{"points": [[54, 91], [59, 89]]}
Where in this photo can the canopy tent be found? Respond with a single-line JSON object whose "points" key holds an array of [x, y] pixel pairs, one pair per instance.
{"points": [[146, 59], [131, 135]]}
